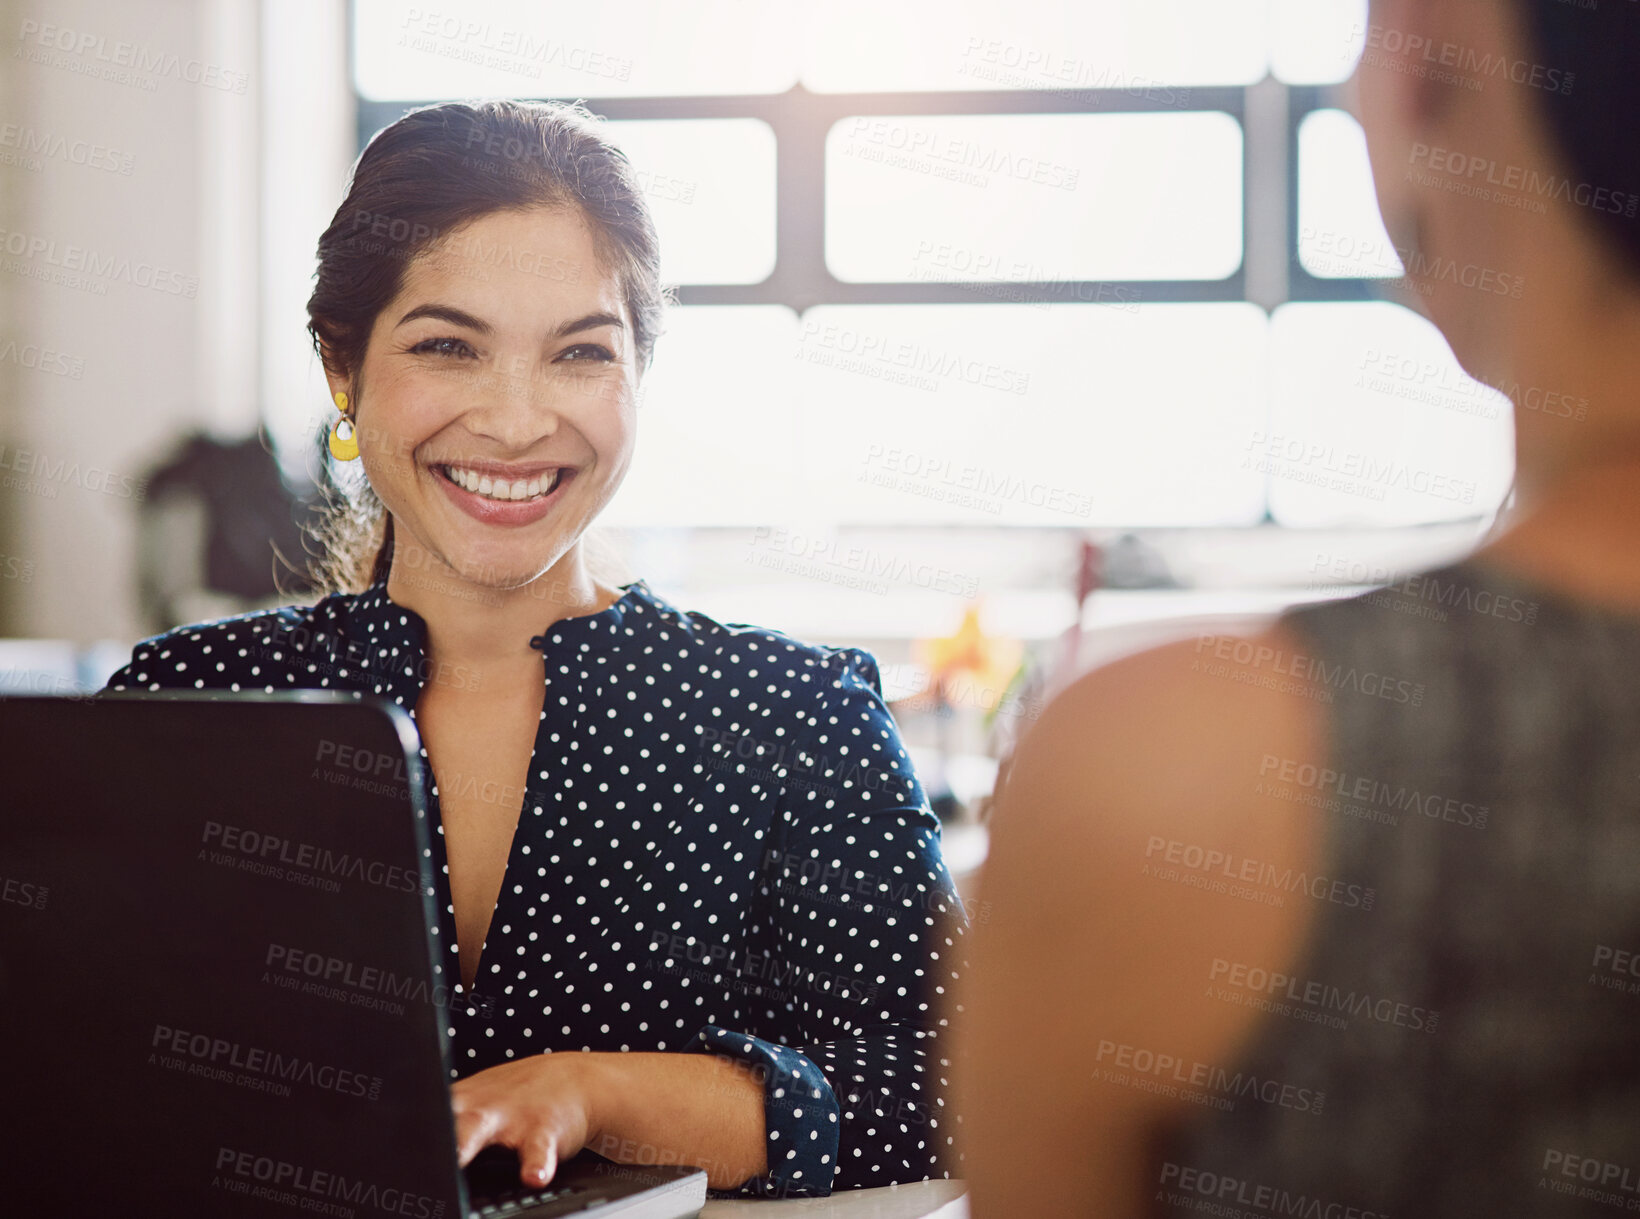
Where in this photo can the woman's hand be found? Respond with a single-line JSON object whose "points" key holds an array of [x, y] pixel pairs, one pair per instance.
{"points": [[630, 1107], [541, 1106]]}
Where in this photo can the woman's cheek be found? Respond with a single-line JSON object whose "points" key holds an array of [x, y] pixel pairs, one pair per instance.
{"points": [[391, 428], [607, 416]]}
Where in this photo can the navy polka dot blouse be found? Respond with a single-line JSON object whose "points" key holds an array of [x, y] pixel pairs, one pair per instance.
{"points": [[723, 848]]}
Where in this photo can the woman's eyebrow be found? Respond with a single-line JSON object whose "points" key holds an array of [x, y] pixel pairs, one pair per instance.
{"points": [[588, 322], [460, 317], [448, 313]]}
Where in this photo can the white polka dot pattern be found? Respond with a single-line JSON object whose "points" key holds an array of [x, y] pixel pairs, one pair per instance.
{"points": [[722, 848]]}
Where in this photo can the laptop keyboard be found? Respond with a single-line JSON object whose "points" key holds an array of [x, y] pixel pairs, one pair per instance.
{"points": [[495, 1187], [513, 1201]]}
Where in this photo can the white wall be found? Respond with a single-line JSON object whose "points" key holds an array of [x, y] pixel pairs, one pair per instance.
{"points": [[176, 94]]}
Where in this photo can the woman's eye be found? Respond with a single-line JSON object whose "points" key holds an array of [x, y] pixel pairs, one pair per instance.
{"points": [[442, 347], [587, 351]]}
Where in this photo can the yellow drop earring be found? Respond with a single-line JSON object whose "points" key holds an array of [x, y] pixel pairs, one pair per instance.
{"points": [[344, 438]]}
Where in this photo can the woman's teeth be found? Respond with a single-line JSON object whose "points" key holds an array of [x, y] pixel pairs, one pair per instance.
{"points": [[500, 488]]}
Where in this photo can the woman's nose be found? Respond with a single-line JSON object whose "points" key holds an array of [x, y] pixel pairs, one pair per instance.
{"points": [[515, 404]]}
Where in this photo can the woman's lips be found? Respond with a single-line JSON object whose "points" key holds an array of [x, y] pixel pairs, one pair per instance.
{"points": [[492, 511]]}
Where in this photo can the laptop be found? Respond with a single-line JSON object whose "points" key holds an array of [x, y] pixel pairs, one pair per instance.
{"points": [[216, 972]]}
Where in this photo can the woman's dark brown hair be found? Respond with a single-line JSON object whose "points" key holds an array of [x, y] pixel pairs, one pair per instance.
{"points": [[1594, 115], [420, 179]]}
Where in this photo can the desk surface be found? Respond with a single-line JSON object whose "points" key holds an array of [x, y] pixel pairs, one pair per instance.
{"points": [[922, 1200]]}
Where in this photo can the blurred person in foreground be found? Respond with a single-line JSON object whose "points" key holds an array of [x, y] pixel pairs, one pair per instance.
{"points": [[1342, 918]]}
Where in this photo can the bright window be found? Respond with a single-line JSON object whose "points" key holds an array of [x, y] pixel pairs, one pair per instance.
{"points": [[723, 457], [1316, 42], [710, 185], [981, 414], [867, 46], [524, 48], [1373, 422], [1034, 197], [1340, 233]]}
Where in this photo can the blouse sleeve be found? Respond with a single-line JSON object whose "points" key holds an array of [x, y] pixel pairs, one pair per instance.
{"points": [[864, 940], [257, 650], [146, 670]]}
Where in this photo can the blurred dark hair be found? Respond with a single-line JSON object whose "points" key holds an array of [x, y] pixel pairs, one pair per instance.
{"points": [[1596, 120], [434, 170]]}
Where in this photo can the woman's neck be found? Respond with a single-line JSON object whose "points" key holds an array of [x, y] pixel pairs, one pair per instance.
{"points": [[1579, 534], [482, 627], [1575, 376]]}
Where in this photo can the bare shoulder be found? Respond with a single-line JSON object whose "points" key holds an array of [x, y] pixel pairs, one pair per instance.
{"points": [[1136, 842], [1142, 799], [1176, 737]]}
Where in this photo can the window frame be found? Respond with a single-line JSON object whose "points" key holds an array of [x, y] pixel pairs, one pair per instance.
{"points": [[800, 120], [1270, 113]]}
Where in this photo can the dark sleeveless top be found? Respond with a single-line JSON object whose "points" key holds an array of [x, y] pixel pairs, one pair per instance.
{"points": [[1469, 1044]]}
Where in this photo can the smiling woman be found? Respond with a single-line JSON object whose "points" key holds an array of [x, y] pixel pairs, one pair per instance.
{"points": [[494, 400], [455, 204], [695, 853]]}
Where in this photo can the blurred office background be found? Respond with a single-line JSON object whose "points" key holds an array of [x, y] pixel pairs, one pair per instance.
{"points": [[1012, 333]]}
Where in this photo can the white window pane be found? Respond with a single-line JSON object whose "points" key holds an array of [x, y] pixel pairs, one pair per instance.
{"points": [[710, 185], [1049, 197], [1341, 234], [1316, 42], [1069, 415], [872, 46], [1373, 422], [411, 50], [717, 424]]}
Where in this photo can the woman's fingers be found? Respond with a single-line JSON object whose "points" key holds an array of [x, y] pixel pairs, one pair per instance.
{"points": [[538, 1157], [534, 1106], [537, 1148], [475, 1130]]}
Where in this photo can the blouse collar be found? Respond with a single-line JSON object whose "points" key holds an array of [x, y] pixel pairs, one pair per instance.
{"points": [[390, 640]]}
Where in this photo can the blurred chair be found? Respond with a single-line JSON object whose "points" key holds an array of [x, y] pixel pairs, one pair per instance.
{"points": [[221, 532]]}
